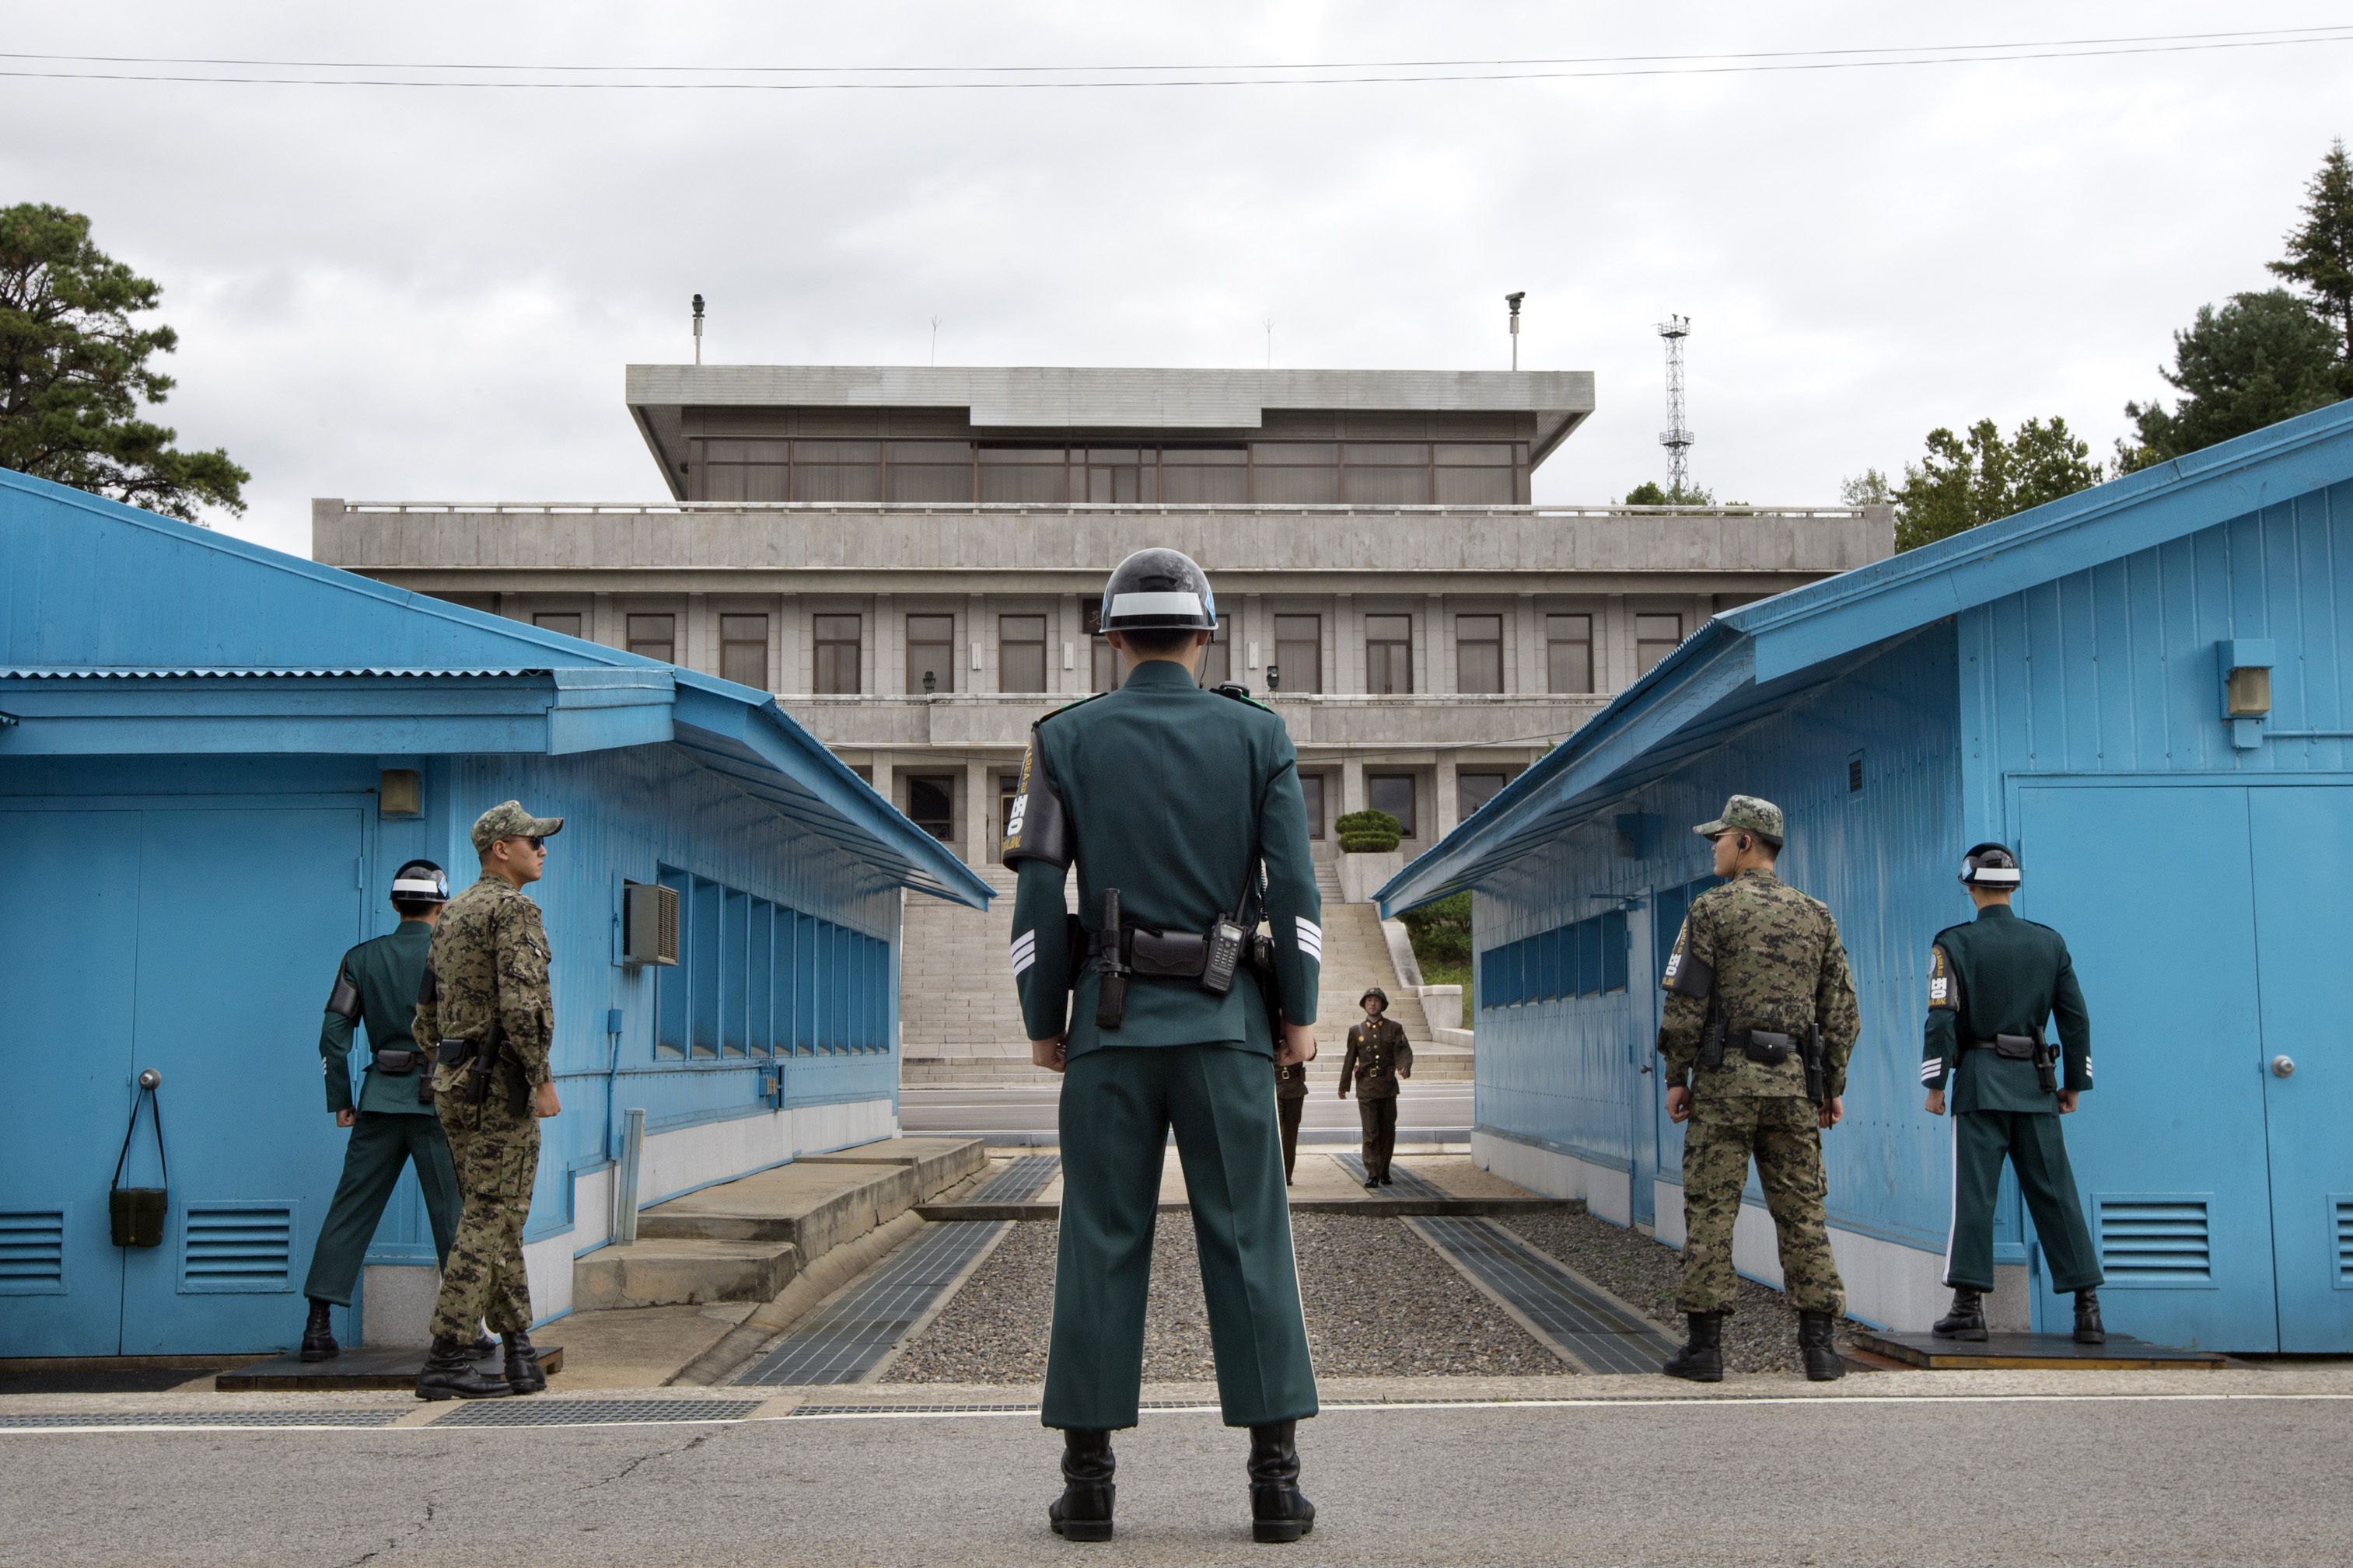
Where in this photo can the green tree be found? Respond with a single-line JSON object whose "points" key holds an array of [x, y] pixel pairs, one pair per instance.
{"points": [[2259, 359], [1960, 483], [74, 370], [1869, 487], [2320, 251], [1650, 493]]}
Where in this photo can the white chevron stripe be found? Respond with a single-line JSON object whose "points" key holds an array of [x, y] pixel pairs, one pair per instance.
{"points": [[1022, 961]]}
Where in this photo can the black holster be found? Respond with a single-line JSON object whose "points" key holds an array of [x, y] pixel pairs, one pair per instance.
{"points": [[1710, 1036], [1111, 967], [1817, 1064]]}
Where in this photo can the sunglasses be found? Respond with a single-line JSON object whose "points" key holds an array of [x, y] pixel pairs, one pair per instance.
{"points": [[538, 845]]}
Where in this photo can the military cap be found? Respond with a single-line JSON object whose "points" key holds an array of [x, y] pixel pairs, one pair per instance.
{"points": [[507, 819], [1746, 814], [1375, 990], [1991, 865]]}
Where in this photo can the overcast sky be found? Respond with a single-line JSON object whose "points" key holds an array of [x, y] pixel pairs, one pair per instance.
{"points": [[429, 294]]}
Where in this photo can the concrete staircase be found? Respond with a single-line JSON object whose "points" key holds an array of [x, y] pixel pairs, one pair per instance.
{"points": [[960, 1023], [745, 1240]]}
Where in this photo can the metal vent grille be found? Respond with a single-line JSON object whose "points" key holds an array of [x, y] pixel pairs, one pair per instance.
{"points": [[1855, 774], [32, 1252], [649, 923], [542, 1412], [2342, 1209], [238, 1247], [2155, 1241]]}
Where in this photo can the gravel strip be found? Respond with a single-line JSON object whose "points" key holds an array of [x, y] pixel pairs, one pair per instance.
{"points": [[1379, 1303], [1761, 1334]]}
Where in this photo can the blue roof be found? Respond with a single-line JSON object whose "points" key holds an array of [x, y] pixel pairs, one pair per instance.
{"points": [[1759, 655], [112, 617]]}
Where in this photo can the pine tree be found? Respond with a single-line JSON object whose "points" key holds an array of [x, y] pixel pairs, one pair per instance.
{"points": [[2320, 251]]}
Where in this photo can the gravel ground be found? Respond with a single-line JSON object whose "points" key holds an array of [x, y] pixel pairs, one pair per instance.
{"points": [[1761, 1335], [1379, 1303]]}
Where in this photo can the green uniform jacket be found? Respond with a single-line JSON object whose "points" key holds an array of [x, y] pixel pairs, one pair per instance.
{"points": [[384, 974], [1377, 1054], [488, 959], [2000, 974], [1174, 794], [1779, 966]]}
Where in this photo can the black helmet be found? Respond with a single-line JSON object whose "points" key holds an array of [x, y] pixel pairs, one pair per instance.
{"points": [[422, 881], [1374, 992], [1989, 865], [1158, 590]]}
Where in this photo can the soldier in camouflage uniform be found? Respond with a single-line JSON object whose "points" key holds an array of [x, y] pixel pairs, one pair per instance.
{"points": [[486, 983], [1759, 1021]]}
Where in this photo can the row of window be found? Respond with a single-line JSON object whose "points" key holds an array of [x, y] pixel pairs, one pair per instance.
{"points": [[1296, 663], [930, 799], [759, 979], [1583, 958], [1278, 473]]}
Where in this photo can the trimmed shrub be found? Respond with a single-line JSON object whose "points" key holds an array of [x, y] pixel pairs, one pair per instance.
{"points": [[1368, 832]]}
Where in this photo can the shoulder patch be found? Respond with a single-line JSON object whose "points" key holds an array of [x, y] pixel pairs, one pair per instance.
{"points": [[1941, 988], [1240, 693]]}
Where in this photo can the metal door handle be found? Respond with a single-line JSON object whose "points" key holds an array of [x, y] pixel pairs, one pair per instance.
{"points": [[149, 1078], [2283, 1067]]}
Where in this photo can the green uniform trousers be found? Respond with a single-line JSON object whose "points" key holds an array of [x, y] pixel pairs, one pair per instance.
{"points": [[1782, 1134], [1288, 1112], [496, 1153], [1118, 1106], [2038, 1151], [382, 1143], [1377, 1120]]}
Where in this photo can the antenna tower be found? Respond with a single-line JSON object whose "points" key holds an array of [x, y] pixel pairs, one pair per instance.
{"points": [[1677, 437]]}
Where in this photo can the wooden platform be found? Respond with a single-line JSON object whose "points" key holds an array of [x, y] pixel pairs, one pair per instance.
{"points": [[2004, 1351], [354, 1368]]}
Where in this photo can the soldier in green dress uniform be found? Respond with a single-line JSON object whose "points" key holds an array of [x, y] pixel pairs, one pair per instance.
{"points": [[1378, 1057], [1290, 1102], [1992, 985], [1183, 811], [1758, 1023], [392, 1122]]}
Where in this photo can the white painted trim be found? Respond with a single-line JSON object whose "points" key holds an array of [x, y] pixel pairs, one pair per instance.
{"points": [[1607, 1192]]}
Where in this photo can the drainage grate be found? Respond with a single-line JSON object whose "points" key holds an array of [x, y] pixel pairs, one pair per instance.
{"points": [[846, 1338], [1023, 1179], [1568, 1311], [1406, 1183], [201, 1418], [542, 1411]]}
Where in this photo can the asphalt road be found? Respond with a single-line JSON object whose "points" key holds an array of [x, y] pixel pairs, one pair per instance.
{"points": [[1919, 1482], [1025, 1113]]}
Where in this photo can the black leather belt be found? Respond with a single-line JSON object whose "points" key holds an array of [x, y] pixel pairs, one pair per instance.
{"points": [[1157, 955], [397, 1061], [2009, 1048]]}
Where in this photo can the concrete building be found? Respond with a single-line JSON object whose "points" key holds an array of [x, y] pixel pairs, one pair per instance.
{"points": [[2147, 689], [910, 558], [212, 758]]}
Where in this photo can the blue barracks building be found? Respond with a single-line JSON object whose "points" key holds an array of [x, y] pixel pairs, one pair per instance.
{"points": [[213, 756], [2147, 687]]}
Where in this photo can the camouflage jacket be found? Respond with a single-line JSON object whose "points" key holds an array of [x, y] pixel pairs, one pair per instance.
{"points": [[488, 959], [1780, 966]]}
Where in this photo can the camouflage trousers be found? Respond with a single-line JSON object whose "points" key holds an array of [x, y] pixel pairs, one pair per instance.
{"points": [[1782, 1134], [496, 1153]]}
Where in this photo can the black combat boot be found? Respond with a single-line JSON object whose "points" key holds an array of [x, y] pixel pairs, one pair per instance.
{"points": [[1701, 1357], [1822, 1360], [1083, 1510], [450, 1373], [1966, 1320], [1280, 1512], [318, 1334], [483, 1344], [524, 1374], [2089, 1330]]}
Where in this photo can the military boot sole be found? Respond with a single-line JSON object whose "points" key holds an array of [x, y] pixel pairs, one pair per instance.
{"points": [[1831, 1372], [1083, 1529], [321, 1352], [1974, 1331], [439, 1391], [1696, 1372], [2091, 1336]]}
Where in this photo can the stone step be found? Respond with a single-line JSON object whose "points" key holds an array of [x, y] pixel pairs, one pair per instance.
{"points": [[744, 1240]]}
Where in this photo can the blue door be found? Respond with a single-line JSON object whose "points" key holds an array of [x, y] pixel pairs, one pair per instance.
{"points": [[2154, 889], [2302, 840], [198, 942]]}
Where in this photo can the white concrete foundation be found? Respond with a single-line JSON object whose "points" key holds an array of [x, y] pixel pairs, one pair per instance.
{"points": [[1606, 1191], [1887, 1282], [397, 1300]]}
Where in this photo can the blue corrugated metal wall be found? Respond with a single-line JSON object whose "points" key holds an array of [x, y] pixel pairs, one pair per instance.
{"points": [[1566, 1074]]}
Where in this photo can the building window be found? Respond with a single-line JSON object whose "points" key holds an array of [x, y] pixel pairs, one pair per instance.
{"points": [[1298, 653], [1006, 785], [758, 978], [1568, 653], [744, 650], [1311, 789], [1385, 473], [931, 651], [1655, 637], [931, 803], [1388, 655], [836, 639], [837, 470], [1479, 655], [742, 472], [652, 636], [1106, 658], [935, 471], [565, 621], [1295, 473], [1217, 658], [1476, 473], [1204, 476], [1112, 474], [1023, 475], [1472, 791], [1021, 653], [1392, 792]]}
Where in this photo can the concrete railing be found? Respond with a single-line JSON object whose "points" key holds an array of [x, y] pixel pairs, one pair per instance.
{"points": [[1391, 723]]}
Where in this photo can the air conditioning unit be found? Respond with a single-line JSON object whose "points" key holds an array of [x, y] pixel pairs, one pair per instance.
{"points": [[649, 923]]}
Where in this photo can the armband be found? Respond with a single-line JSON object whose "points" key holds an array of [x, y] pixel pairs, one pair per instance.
{"points": [[1035, 825], [345, 999], [1943, 987], [1687, 975]]}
